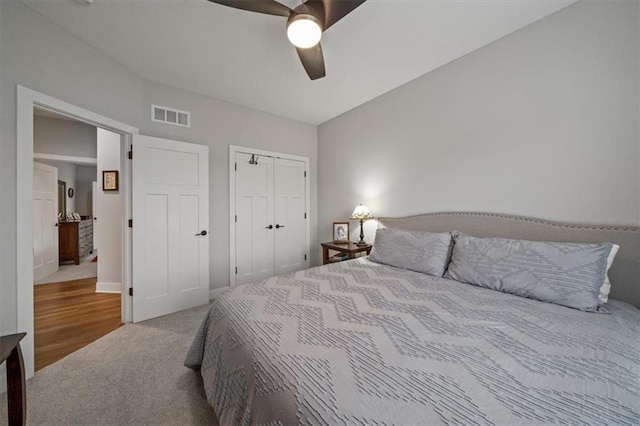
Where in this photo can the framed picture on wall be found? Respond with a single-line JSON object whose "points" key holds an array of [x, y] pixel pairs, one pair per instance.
{"points": [[341, 232], [109, 180]]}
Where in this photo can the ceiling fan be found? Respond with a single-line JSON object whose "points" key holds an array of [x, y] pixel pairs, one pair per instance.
{"points": [[305, 24]]}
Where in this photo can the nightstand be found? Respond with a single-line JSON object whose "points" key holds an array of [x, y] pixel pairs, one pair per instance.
{"points": [[16, 385], [345, 251]]}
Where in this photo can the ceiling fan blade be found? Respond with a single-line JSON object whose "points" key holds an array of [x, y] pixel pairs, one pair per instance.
{"points": [[312, 61], [270, 7], [334, 10]]}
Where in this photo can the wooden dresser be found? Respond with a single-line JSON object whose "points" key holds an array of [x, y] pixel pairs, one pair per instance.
{"points": [[75, 239]]}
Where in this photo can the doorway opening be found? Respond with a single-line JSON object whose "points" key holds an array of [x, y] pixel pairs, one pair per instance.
{"points": [[76, 299], [62, 190], [27, 100]]}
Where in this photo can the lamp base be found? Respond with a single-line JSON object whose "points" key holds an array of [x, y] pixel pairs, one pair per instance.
{"points": [[361, 243]]}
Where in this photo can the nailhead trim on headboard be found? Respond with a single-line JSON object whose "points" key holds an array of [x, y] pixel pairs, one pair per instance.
{"points": [[520, 218]]}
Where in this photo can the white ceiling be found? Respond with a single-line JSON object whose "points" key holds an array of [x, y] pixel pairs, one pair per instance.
{"points": [[245, 58]]}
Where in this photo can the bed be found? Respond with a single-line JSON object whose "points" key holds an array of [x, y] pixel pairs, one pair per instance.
{"points": [[359, 342]]}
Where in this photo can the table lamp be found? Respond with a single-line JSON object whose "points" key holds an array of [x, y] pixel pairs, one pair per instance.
{"points": [[361, 213]]}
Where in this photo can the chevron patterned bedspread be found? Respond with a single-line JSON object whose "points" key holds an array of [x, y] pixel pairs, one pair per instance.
{"points": [[362, 343]]}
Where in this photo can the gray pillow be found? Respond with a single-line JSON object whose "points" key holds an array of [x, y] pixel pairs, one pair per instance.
{"points": [[418, 251], [568, 274]]}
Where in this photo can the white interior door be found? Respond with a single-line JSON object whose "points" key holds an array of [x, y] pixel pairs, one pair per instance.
{"points": [[255, 227], [290, 216], [271, 228], [45, 220], [170, 208]]}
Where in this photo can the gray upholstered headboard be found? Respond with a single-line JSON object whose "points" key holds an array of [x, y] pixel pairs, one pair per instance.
{"points": [[624, 273]]}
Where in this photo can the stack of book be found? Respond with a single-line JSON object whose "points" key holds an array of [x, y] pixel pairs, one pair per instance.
{"points": [[338, 257]]}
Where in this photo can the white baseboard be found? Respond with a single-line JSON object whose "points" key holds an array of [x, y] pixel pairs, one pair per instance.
{"points": [[102, 287], [213, 293]]}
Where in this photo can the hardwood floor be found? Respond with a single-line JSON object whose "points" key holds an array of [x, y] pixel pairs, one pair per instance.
{"points": [[71, 315]]}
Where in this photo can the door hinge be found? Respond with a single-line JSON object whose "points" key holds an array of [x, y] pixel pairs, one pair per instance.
{"points": [[236, 270], [130, 291], [130, 155], [305, 173], [236, 166], [130, 223], [305, 257], [236, 218], [305, 215]]}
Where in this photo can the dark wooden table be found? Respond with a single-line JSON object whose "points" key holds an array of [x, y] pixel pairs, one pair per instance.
{"points": [[350, 249], [16, 386]]}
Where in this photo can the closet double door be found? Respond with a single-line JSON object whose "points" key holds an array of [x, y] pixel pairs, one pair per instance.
{"points": [[270, 216]]}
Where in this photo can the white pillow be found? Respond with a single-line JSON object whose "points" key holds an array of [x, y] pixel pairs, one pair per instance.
{"points": [[606, 285]]}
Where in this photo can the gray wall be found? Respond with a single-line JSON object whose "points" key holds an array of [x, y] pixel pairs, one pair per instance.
{"points": [[67, 173], [543, 122], [107, 229], [220, 124], [68, 138], [85, 175], [39, 55], [63, 137], [43, 57]]}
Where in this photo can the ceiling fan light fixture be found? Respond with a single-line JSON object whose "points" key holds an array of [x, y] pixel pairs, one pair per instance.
{"points": [[304, 30]]}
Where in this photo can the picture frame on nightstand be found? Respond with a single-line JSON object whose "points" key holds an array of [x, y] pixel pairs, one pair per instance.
{"points": [[341, 232]]}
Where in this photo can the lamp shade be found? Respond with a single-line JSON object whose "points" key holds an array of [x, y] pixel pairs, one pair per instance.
{"points": [[361, 212]]}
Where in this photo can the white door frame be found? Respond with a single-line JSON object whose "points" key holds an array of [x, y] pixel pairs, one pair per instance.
{"points": [[66, 159], [233, 149], [27, 99]]}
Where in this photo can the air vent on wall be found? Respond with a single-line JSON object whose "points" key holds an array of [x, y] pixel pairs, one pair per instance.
{"points": [[170, 116]]}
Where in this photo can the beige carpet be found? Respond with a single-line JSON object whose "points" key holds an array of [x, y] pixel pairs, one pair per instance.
{"points": [[132, 376], [71, 271]]}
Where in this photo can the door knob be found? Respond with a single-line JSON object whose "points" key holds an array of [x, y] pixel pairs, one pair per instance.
{"points": [[202, 233], [55, 224], [269, 227], [279, 226]]}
